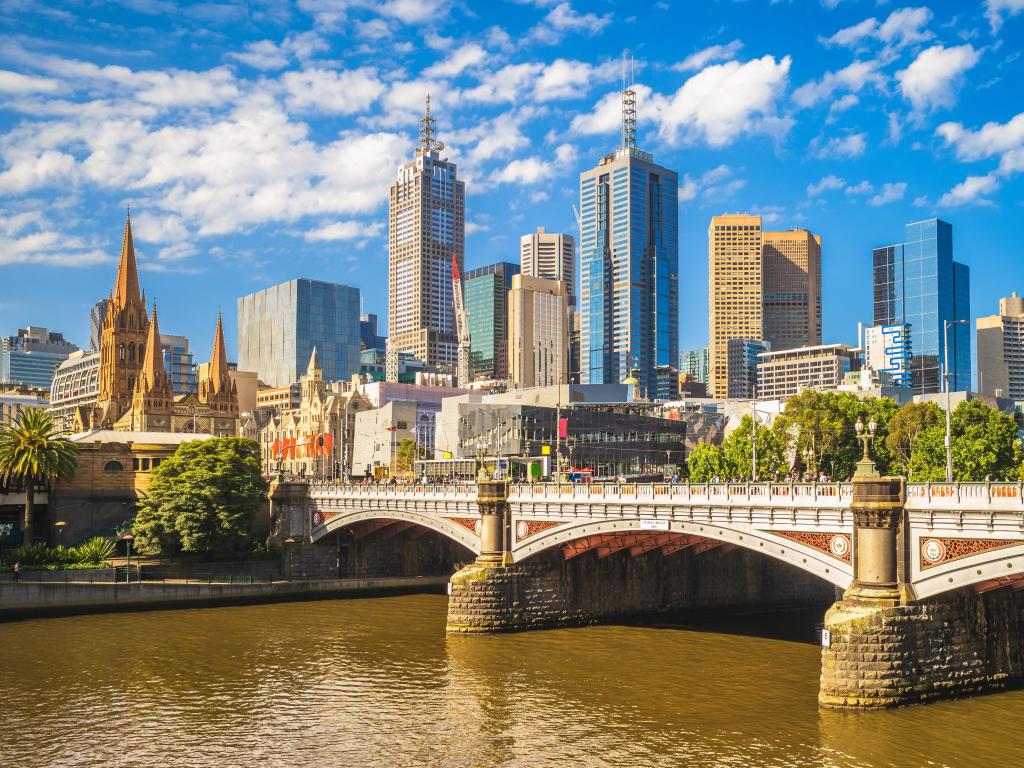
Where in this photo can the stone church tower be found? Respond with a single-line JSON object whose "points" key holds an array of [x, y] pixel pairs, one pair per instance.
{"points": [[218, 391], [122, 340], [153, 398]]}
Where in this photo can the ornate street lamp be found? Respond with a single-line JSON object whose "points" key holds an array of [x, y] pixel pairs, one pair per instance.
{"points": [[866, 466]]}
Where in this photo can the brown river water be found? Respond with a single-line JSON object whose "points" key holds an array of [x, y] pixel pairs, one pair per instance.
{"points": [[376, 682]]}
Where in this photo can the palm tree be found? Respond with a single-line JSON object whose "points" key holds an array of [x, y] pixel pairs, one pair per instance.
{"points": [[32, 450]]}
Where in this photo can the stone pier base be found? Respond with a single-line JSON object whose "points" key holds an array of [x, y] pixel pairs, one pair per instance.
{"points": [[944, 647], [547, 591]]}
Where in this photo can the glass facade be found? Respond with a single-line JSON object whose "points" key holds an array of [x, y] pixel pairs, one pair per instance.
{"points": [[485, 295], [179, 364], [629, 282], [917, 283], [278, 328]]}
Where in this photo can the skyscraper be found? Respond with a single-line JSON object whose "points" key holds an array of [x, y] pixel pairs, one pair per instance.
{"points": [[179, 363], [552, 256], [917, 283], [31, 358], [279, 326], [695, 363], [426, 226], [485, 293], [538, 332], [1001, 350], [96, 316], [629, 276], [762, 286]]}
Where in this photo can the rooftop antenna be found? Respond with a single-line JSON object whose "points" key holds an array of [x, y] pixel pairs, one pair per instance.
{"points": [[628, 104], [428, 133]]}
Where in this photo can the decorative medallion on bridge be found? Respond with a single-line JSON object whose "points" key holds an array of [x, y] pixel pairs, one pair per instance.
{"points": [[319, 517], [836, 545], [470, 523], [527, 528], [937, 551]]}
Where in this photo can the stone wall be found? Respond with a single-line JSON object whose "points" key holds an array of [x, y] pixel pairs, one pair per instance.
{"points": [[945, 647], [548, 591]]}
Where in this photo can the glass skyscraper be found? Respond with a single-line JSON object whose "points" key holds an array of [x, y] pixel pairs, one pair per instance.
{"points": [[485, 293], [629, 279], [279, 326], [917, 283]]}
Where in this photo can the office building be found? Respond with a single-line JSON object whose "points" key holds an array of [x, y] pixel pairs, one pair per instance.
{"points": [[695, 363], [368, 336], [792, 289], [917, 283], [179, 364], [279, 326], [96, 317], [31, 358], [742, 365], [426, 228], [629, 273], [887, 349], [552, 256], [538, 332], [485, 296], [784, 373], [1001, 350], [762, 285], [75, 389]]}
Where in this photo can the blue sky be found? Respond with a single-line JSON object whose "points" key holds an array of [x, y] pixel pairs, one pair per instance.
{"points": [[255, 140]]}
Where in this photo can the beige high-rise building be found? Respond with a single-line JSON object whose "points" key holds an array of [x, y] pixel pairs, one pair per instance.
{"points": [[550, 255], [762, 286], [735, 290], [538, 332], [1001, 350], [792, 289], [426, 227]]}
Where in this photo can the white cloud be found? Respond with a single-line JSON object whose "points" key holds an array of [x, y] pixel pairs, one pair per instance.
{"points": [[562, 20], [30, 168], [972, 190], [715, 185], [725, 101], [989, 140], [564, 79], [344, 230], [825, 184], [842, 147], [327, 91], [890, 193], [332, 13], [700, 59], [901, 28], [934, 77], [994, 10], [505, 85], [465, 56], [860, 188], [42, 245], [15, 82], [151, 228], [530, 170], [267, 55], [850, 78]]}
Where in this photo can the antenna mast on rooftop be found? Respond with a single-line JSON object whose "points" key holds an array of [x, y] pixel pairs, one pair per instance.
{"points": [[428, 133], [628, 104]]}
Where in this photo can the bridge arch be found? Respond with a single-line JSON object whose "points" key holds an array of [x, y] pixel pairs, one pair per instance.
{"points": [[828, 567], [999, 566], [324, 524]]}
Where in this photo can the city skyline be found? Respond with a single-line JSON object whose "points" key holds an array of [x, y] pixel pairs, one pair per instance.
{"points": [[727, 159]]}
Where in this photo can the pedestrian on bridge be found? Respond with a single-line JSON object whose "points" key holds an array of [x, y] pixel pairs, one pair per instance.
{"points": [[16, 571]]}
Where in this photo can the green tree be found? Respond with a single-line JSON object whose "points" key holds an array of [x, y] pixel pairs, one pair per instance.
{"points": [[771, 453], [813, 426], [982, 446], [32, 450], [202, 498], [906, 427], [865, 410], [407, 453], [708, 462]]}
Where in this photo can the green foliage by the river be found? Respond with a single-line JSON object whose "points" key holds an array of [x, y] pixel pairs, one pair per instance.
{"points": [[202, 499], [91, 553]]}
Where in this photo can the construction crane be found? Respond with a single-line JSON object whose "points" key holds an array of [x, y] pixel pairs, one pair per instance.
{"points": [[461, 325]]}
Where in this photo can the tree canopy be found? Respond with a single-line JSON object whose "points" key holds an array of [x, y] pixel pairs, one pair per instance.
{"points": [[202, 498], [982, 446]]}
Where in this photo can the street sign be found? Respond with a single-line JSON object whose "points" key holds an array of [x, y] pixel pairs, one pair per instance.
{"points": [[826, 638], [654, 525]]}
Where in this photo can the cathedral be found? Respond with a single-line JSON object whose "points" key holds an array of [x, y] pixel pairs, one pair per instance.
{"points": [[134, 390]]}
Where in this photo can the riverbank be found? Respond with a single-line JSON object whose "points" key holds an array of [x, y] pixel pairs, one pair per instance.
{"points": [[31, 599]]}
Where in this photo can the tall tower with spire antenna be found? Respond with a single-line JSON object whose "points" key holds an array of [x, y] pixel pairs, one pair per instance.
{"points": [[629, 264], [426, 230]]}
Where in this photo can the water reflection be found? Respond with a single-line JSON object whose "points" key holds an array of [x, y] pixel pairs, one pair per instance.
{"points": [[377, 682]]}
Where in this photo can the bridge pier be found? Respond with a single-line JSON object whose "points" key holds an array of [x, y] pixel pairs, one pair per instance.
{"points": [[886, 648]]}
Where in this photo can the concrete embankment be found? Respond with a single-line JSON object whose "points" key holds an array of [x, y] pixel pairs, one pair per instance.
{"points": [[46, 598]]}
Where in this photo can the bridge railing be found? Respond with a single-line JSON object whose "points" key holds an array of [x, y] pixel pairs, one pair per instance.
{"points": [[837, 494], [393, 491], [959, 495]]}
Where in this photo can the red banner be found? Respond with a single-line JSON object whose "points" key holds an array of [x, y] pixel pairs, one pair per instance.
{"points": [[563, 427]]}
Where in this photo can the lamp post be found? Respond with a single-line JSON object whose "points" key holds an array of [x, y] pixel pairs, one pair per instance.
{"points": [[945, 376], [59, 525], [866, 467], [128, 539]]}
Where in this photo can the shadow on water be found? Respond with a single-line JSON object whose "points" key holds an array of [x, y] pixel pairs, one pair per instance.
{"points": [[794, 623]]}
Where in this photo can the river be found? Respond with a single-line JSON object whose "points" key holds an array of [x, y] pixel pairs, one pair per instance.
{"points": [[376, 682]]}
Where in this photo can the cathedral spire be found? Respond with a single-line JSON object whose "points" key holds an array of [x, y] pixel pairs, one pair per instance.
{"points": [[153, 375], [127, 286], [219, 376], [314, 364]]}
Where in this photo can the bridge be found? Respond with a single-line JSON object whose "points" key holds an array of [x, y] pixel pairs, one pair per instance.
{"points": [[960, 534]]}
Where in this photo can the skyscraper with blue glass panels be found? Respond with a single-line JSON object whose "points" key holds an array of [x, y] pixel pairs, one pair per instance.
{"points": [[629, 276], [918, 283]]}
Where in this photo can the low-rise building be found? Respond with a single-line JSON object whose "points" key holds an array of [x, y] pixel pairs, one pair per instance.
{"points": [[32, 356], [12, 404], [380, 431], [788, 372]]}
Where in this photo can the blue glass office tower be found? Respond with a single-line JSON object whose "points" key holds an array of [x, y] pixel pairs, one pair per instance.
{"points": [[629, 276], [916, 282]]}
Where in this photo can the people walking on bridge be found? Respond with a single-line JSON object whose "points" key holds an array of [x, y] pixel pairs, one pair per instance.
{"points": [[16, 571]]}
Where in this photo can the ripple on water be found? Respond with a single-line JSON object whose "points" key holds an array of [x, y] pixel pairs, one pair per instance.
{"points": [[377, 682]]}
